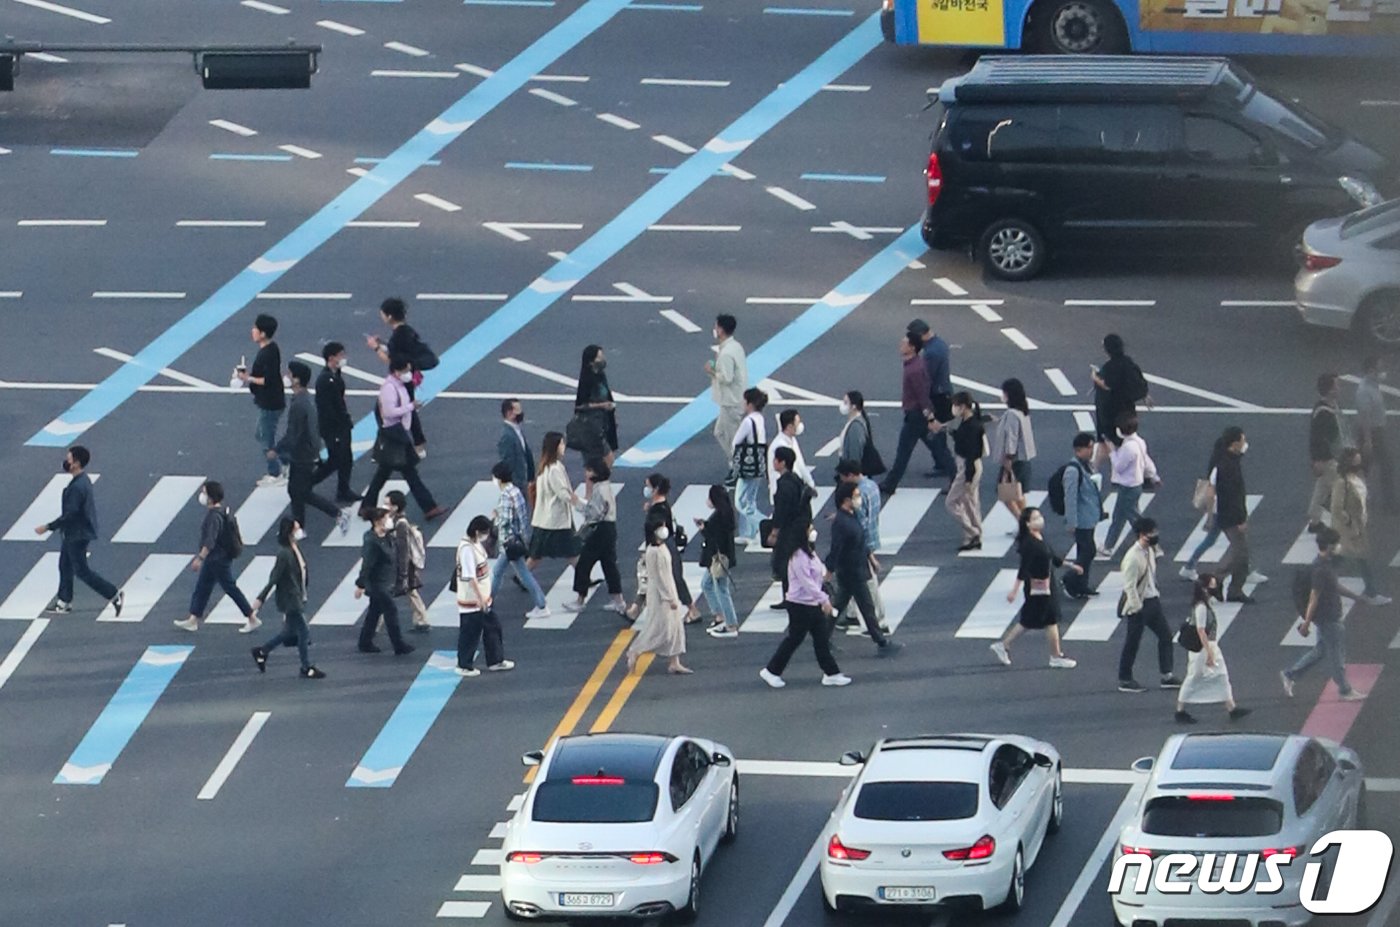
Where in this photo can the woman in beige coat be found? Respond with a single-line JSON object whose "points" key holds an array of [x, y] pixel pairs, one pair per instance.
{"points": [[663, 619], [1350, 519]]}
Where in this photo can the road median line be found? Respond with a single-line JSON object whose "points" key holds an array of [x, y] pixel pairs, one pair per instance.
{"points": [[587, 694]]}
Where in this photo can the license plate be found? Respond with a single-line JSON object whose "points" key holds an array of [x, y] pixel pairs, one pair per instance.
{"points": [[586, 899], [907, 893]]}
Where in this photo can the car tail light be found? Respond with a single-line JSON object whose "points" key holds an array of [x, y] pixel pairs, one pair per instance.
{"points": [[651, 858], [526, 857], [598, 780], [934, 173], [1290, 852], [1135, 851], [835, 849], [1210, 796], [983, 848], [1313, 261]]}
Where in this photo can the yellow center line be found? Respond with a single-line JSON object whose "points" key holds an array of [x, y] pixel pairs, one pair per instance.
{"points": [[619, 698], [588, 693]]}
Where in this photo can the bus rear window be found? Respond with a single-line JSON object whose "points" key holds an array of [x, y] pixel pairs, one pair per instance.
{"points": [[1183, 816]]}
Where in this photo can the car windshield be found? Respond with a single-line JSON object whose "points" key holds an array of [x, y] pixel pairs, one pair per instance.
{"points": [[1291, 121], [566, 802], [916, 801], [1368, 220], [1183, 816]]}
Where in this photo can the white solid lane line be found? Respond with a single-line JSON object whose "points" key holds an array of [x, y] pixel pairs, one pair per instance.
{"points": [[413, 50], [464, 297], [1070, 907], [847, 88], [1120, 303], [341, 296], [339, 27], [1017, 338], [221, 223], [962, 301], [680, 321], [138, 294], [693, 228], [66, 11], [792, 199], [553, 97], [950, 287], [61, 223], [21, 649], [618, 121], [561, 78], [681, 82], [1057, 379], [781, 300], [442, 75], [779, 915], [300, 152], [1256, 303], [235, 753], [542, 372], [233, 127], [1198, 392], [380, 224], [438, 202], [265, 7]]}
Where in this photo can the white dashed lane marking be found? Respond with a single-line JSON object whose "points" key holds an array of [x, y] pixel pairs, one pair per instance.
{"points": [[792, 199], [443, 75], [618, 121], [438, 202], [1016, 337], [66, 11], [674, 144], [413, 50], [266, 7], [339, 27], [682, 82], [553, 97]]}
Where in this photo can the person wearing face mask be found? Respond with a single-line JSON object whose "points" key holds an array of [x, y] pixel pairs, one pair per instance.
{"points": [[1232, 514], [477, 621], [1351, 520], [1324, 609], [849, 563], [405, 344], [1207, 679], [214, 562], [1041, 608], [1370, 432], [867, 512], [663, 628], [410, 556], [393, 448], [656, 496], [969, 442], [809, 610], [857, 437], [717, 557], [376, 580], [552, 522], [1140, 607], [790, 427], [513, 448], [595, 412], [333, 420], [750, 464], [512, 519], [264, 381], [598, 511], [1133, 472], [729, 375], [289, 578], [77, 521], [301, 448]]}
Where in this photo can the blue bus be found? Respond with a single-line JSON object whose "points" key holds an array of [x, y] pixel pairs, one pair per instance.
{"points": [[1230, 27]]}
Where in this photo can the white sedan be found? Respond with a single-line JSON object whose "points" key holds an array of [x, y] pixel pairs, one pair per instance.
{"points": [[949, 820], [618, 825]]}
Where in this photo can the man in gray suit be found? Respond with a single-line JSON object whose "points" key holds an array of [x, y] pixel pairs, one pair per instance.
{"points": [[513, 449], [301, 446]]}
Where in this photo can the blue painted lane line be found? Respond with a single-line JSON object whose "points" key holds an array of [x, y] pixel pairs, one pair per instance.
{"points": [[647, 210], [379, 768], [805, 11], [546, 166], [95, 152], [796, 336], [235, 295], [846, 178], [128, 708], [434, 162], [219, 156]]}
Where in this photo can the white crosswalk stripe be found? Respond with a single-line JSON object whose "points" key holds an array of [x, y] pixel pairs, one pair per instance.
{"points": [[1303, 550], [480, 500], [763, 619], [1294, 639], [1217, 550], [1098, 619], [342, 608], [154, 514], [28, 600], [901, 515], [260, 511], [356, 536], [901, 588], [999, 528], [156, 574], [44, 509], [992, 614], [250, 583]]}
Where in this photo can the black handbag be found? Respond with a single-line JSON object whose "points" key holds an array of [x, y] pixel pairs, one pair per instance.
{"points": [[1190, 638], [586, 431], [765, 528], [390, 450], [750, 459], [871, 464]]}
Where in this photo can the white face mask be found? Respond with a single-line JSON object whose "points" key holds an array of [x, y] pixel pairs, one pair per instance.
{"points": [[203, 498], [662, 534], [406, 376], [812, 536], [845, 407], [1244, 448], [299, 535], [801, 427], [1036, 524], [718, 334], [387, 524], [647, 491]]}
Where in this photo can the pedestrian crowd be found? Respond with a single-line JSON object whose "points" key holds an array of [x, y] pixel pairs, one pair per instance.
{"points": [[763, 497]]}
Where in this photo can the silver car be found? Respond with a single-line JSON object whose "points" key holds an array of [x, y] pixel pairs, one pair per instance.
{"points": [[1350, 274], [1227, 799]]}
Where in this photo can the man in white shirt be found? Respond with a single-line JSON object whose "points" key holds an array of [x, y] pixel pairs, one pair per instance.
{"points": [[729, 373], [789, 427], [1132, 469], [1141, 609]]}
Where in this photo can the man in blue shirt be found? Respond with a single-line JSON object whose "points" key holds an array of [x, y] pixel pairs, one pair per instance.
{"points": [[1083, 510]]}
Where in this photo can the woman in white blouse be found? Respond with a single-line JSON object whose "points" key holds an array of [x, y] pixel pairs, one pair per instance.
{"points": [[1207, 679], [1014, 444], [552, 521], [752, 431]]}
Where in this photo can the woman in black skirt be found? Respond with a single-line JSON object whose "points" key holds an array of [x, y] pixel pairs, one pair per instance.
{"points": [[1041, 609]]}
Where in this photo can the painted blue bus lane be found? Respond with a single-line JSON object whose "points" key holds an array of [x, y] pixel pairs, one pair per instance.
{"points": [[420, 706]]}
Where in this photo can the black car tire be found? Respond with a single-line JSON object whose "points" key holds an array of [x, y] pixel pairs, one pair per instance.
{"points": [[1378, 320], [691, 911], [1016, 892], [1361, 814], [731, 815], [1012, 249], [1078, 27], [1057, 806]]}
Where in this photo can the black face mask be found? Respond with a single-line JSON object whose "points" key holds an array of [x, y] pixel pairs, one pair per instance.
{"points": [[66, 466], [1153, 541], [600, 365], [520, 418]]}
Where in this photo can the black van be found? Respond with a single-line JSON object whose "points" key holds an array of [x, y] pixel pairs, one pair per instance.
{"points": [[1039, 154]]}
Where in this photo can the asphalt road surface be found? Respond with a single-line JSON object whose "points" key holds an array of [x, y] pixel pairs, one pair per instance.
{"points": [[558, 203]]}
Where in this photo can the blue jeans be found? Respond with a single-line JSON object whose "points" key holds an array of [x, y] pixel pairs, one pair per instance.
{"points": [[746, 501], [266, 435], [217, 570], [522, 571], [294, 631], [720, 594], [1331, 646], [1211, 537], [1125, 512]]}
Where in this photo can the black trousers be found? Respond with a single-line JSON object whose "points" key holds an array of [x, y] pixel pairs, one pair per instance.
{"points": [[1084, 550], [802, 621], [861, 593], [381, 605], [73, 563], [912, 432], [300, 480], [1150, 617], [678, 573], [340, 460], [481, 626], [600, 548], [416, 486], [416, 425], [1382, 469]]}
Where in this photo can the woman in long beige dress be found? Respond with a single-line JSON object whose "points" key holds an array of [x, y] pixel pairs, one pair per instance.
{"points": [[663, 620]]}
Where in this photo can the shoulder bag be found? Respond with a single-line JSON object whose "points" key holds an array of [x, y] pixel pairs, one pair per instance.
{"points": [[750, 457]]}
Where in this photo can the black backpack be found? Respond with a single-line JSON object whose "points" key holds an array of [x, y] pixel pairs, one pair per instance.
{"points": [[1134, 383], [1302, 589], [420, 355], [230, 538], [1055, 490]]}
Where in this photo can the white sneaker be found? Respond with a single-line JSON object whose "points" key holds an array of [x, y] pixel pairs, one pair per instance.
{"points": [[998, 648], [1287, 684], [572, 606], [59, 607], [342, 521], [271, 480], [619, 608], [253, 624], [1355, 695], [468, 673], [724, 631], [1256, 578], [775, 681], [1187, 573], [1377, 600], [836, 679], [1104, 554], [186, 624], [505, 666], [541, 612], [1063, 663]]}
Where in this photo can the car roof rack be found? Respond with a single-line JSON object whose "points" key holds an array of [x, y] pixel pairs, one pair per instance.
{"points": [[1088, 78]]}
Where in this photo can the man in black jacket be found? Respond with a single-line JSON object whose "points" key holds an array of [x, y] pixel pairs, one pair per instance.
{"points": [[1232, 514], [792, 509], [78, 523], [264, 381], [301, 448], [335, 425], [849, 563]]}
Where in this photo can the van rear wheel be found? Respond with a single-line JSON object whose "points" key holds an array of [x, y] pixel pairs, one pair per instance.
{"points": [[1078, 27], [1012, 249]]}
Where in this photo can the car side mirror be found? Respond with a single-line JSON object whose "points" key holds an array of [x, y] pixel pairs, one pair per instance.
{"points": [[1143, 764], [1043, 761], [533, 758], [852, 758], [719, 759]]}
